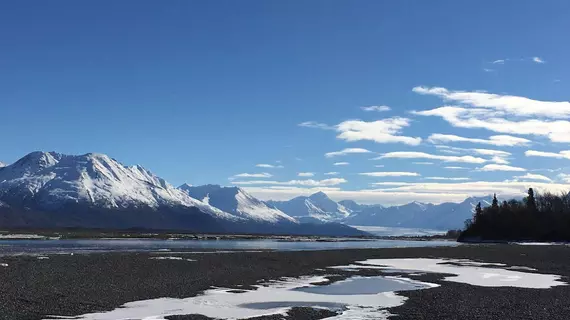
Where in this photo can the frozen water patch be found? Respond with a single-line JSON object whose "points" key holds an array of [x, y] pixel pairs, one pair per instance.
{"points": [[3, 265], [21, 236], [471, 272], [276, 297], [366, 285], [541, 243], [171, 258]]}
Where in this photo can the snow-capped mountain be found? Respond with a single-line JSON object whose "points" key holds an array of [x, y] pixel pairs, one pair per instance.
{"points": [[2, 164], [236, 201], [49, 180], [49, 189], [443, 216], [316, 207]]}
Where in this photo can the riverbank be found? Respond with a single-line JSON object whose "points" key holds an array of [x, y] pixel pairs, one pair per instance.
{"points": [[35, 286]]}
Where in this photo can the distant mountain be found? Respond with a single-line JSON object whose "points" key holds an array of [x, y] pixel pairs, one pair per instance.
{"points": [[318, 208], [356, 207], [48, 189], [237, 202], [419, 215]]}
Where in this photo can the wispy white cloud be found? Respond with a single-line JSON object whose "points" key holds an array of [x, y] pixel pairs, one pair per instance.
{"points": [[498, 140], [393, 193], [500, 167], [316, 125], [498, 156], [380, 131], [455, 168], [423, 155], [564, 177], [533, 59], [305, 174], [423, 163], [341, 164], [488, 70], [269, 166], [531, 176], [308, 182], [448, 178], [389, 174], [556, 131], [346, 151], [332, 173], [379, 166], [253, 175], [491, 152], [507, 104], [391, 183], [560, 155], [376, 108]]}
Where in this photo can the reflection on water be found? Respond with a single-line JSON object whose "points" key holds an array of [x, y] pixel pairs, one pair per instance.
{"points": [[78, 246], [365, 285], [353, 298]]}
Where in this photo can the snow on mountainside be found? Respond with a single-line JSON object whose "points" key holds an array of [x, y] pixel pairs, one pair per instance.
{"points": [[48, 180], [415, 214], [2, 164], [317, 207], [236, 201]]}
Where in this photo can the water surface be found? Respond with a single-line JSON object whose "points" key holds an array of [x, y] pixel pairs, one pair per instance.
{"points": [[107, 245]]}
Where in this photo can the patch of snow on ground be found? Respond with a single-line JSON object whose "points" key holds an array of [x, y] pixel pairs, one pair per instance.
{"points": [[171, 258], [273, 298], [473, 273], [21, 236], [3, 264], [540, 243]]}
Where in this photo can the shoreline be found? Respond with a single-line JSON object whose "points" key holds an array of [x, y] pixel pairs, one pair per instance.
{"points": [[69, 285]]}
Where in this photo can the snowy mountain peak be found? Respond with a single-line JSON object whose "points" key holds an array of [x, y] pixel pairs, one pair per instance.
{"points": [[236, 201], [317, 206], [2, 164], [319, 196], [49, 180]]}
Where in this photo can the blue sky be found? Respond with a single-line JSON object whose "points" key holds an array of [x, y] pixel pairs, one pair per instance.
{"points": [[201, 91]]}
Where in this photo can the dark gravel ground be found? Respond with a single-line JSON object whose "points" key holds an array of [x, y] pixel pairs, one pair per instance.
{"points": [[76, 284]]}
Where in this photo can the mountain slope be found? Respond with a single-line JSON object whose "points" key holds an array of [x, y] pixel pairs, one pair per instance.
{"points": [[49, 180], [48, 189], [316, 207], [419, 215], [236, 201]]}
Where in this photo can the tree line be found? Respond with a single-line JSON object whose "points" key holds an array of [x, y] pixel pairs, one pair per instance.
{"points": [[537, 217]]}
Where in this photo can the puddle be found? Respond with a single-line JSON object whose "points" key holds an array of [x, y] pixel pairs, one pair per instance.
{"points": [[357, 297], [366, 285], [470, 272], [353, 298]]}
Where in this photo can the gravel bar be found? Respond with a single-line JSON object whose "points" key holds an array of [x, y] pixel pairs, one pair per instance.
{"points": [[32, 287]]}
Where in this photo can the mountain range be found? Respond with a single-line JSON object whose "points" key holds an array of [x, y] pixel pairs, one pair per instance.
{"points": [[49, 189], [319, 207]]}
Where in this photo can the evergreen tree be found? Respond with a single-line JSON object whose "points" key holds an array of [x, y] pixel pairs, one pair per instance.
{"points": [[530, 201], [478, 212], [495, 204]]}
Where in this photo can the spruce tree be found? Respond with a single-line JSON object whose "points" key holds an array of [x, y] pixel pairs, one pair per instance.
{"points": [[530, 201], [495, 204]]}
